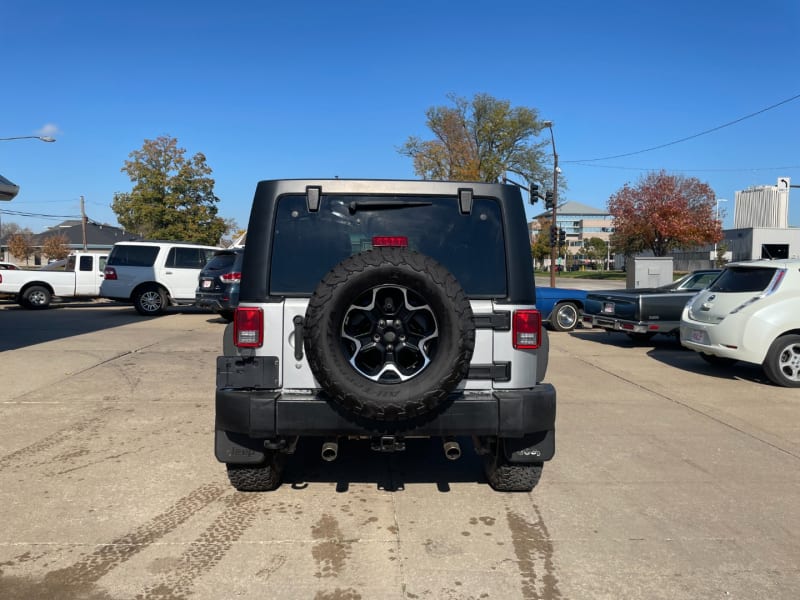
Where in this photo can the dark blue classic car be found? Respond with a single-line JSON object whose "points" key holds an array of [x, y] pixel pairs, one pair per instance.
{"points": [[560, 307]]}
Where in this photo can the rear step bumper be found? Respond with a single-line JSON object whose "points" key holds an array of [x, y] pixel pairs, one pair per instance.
{"points": [[251, 415]]}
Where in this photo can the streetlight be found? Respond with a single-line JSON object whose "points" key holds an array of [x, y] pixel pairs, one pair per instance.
{"points": [[43, 138], [549, 125], [715, 243], [9, 190]]}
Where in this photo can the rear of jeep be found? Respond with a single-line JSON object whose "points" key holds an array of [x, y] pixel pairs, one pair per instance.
{"points": [[385, 310]]}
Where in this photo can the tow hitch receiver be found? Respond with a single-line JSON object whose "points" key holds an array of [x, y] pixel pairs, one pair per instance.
{"points": [[388, 443]]}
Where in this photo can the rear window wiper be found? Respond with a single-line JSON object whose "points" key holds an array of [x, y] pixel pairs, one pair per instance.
{"points": [[356, 205]]}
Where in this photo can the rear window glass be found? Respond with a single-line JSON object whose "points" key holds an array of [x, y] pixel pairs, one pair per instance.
{"points": [[187, 258], [306, 245], [133, 256], [221, 261], [743, 279]]}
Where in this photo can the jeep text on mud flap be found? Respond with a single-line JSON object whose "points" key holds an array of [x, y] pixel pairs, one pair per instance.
{"points": [[385, 310]]}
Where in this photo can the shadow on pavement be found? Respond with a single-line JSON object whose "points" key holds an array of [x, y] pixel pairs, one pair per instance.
{"points": [[668, 350], [20, 327], [690, 361], [423, 461]]}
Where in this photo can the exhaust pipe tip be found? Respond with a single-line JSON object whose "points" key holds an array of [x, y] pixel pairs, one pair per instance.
{"points": [[330, 450], [452, 449]]}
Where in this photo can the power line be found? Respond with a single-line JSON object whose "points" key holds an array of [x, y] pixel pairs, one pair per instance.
{"points": [[17, 213], [690, 137], [710, 170]]}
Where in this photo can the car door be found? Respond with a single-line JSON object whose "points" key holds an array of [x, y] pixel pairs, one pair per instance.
{"points": [[181, 270], [89, 274]]}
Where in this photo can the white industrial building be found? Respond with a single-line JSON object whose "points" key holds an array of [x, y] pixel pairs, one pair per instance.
{"points": [[763, 206], [761, 224]]}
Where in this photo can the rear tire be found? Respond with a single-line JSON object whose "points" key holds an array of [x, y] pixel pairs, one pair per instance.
{"points": [[36, 297], [226, 315], [504, 476], [782, 364], [265, 477], [565, 316], [150, 301]]}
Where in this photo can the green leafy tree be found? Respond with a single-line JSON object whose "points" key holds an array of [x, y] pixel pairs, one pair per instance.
{"points": [[481, 139], [595, 249], [722, 250], [56, 247], [662, 213], [172, 196], [540, 248]]}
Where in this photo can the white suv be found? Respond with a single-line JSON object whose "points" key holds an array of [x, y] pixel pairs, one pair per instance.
{"points": [[750, 314], [154, 275]]}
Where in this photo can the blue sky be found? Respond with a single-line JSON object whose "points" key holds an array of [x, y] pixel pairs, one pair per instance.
{"points": [[322, 89]]}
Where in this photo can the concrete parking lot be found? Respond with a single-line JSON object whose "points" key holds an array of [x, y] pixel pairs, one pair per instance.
{"points": [[671, 479]]}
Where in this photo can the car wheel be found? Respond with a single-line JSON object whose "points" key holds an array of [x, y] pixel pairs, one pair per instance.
{"points": [[717, 361], [150, 301], [504, 476], [782, 364], [36, 296], [389, 334], [565, 316], [258, 478]]}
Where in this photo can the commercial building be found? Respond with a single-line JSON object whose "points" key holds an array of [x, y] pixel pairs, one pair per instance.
{"points": [[580, 223]]}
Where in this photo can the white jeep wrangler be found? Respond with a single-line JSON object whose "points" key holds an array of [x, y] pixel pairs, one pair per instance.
{"points": [[385, 310]]}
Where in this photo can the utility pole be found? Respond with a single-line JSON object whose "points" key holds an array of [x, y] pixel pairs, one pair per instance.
{"points": [[83, 223], [553, 249]]}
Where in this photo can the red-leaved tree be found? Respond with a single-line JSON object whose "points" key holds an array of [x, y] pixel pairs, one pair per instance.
{"points": [[663, 213]]}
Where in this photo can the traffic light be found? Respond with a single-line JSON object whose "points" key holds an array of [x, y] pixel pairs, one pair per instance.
{"points": [[548, 200], [534, 191], [553, 235], [562, 237]]}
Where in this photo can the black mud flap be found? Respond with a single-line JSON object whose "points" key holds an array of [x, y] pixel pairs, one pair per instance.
{"points": [[536, 447], [238, 449]]}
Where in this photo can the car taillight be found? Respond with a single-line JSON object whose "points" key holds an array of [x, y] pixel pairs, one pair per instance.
{"points": [[398, 241], [527, 329], [233, 277], [248, 327], [110, 274]]}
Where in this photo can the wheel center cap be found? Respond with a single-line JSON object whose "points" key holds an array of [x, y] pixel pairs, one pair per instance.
{"points": [[389, 337]]}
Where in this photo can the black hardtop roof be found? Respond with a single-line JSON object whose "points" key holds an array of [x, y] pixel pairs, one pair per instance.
{"points": [[279, 187], [172, 242], [257, 258]]}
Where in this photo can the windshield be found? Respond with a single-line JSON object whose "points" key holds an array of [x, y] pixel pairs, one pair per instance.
{"points": [[692, 281], [307, 245], [743, 279]]}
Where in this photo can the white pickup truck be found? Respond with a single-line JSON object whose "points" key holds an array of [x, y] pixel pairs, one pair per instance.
{"points": [[80, 278]]}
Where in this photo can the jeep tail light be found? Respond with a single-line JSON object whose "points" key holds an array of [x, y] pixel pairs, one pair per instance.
{"points": [[110, 274], [397, 241], [248, 327], [527, 329], [234, 277]]}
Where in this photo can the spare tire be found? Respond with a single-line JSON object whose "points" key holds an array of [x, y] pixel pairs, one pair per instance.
{"points": [[389, 334]]}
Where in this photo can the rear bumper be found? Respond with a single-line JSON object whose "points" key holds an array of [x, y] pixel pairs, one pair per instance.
{"points": [[213, 301], [614, 324], [246, 418], [265, 414]]}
